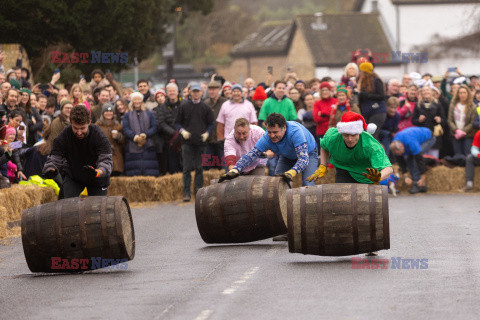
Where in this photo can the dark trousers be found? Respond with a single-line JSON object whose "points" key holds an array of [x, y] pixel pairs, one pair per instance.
{"points": [[215, 150], [163, 160], [73, 188], [472, 162], [192, 160], [378, 119], [342, 176], [174, 161]]}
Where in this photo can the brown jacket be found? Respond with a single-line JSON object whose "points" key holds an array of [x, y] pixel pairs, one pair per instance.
{"points": [[57, 126], [118, 145], [470, 114]]}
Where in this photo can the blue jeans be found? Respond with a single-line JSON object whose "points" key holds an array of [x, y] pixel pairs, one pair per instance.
{"points": [[272, 165], [285, 164], [412, 163]]}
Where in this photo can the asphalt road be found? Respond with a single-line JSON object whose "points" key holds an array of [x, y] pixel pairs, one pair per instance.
{"points": [[176, 276]]}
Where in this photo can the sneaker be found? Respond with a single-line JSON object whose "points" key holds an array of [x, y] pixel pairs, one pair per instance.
{"points": [[282, 237], [186, 199], [466, 189], [414, 189]]}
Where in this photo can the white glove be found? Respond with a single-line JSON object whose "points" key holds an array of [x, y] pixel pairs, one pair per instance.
{"points": [[185, 134], [205, 136]]}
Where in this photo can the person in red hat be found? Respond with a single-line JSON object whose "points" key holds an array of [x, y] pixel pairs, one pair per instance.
{"points": [[356, 155], [258, 97], [322, 110]]}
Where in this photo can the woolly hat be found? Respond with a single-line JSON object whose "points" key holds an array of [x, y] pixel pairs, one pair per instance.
{"points": [[160, 91], [366, 67], [214, 84], [227, 84], [9, 131], [107, 107], [342, 88], [64, 102], [237, 87], [259, 94], [26, 90], [299, 81], [325, 84], [437, 79], [136, 95], [15, 84], [353, 123]]}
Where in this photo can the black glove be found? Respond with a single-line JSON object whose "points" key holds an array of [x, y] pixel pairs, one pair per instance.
{"points": [[50, 174], [232, 174], [91, 172]]}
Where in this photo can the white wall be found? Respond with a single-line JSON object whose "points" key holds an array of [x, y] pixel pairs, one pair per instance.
{"points": [[419, 23]]}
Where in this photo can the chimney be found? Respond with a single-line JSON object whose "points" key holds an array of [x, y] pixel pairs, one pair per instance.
{"points": [[319, 24]]}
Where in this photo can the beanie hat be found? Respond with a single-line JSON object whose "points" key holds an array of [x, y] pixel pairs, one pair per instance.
{"points": [[107, 107], [15, 84], [259, 94], [26, 90], [237, 87], [299, 81], [366, 67], [136, 94], [64, 102], [160, 91], [9, 131], [342, 88], [325, 84], [227, 84], [353, 123]]}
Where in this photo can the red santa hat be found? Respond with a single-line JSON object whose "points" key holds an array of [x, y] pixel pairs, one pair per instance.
{"points": [[353, 123]]}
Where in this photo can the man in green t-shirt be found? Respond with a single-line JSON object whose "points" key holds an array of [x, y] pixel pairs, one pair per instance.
{"points": [[278, 103], [353, 151]]}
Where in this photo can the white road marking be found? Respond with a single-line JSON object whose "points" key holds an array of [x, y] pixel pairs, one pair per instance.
{"points": [[164, 311], [235, 285], [204, 315]]}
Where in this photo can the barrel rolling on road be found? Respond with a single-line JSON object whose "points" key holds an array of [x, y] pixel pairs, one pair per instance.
{"points": [[76, 228], [338, 219], [245, 209]]}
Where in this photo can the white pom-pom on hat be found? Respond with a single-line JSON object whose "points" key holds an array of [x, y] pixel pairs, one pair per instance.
{"points": [[354, 123]]}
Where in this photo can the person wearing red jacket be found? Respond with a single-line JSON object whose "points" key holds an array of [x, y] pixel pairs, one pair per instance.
{"points": [[322, 110]]}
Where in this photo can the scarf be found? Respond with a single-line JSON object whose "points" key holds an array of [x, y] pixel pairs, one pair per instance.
{"points": [[333, 123]]}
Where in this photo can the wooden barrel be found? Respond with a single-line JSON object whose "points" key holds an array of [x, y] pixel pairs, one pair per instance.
{"points": [[245, 209], [75, 228], [338, 219]]}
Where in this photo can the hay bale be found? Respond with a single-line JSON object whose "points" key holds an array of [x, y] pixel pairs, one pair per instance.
{"points": [[3, 222], [20, 197]]}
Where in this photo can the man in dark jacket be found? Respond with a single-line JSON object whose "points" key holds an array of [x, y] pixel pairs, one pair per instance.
{"points": [[215, 101], [82, 151], [165, 114], [194, 122]]}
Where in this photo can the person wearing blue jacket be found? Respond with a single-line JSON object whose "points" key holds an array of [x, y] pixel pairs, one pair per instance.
{"points": [[409, 145], [294, 144]]}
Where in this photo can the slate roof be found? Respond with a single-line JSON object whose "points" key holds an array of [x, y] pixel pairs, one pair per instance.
{"points": [[344, 33], [273, 38]]}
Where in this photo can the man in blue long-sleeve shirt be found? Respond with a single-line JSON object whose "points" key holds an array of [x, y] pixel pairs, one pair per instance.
{"points": [[195, 122]]}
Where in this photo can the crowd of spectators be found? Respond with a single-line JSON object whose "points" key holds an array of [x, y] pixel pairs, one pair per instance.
{"points": [[422, 120]]}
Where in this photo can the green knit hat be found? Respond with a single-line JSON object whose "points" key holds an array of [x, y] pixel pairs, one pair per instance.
{"points": [[342, 88], [15, 84], [26, 90]]}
